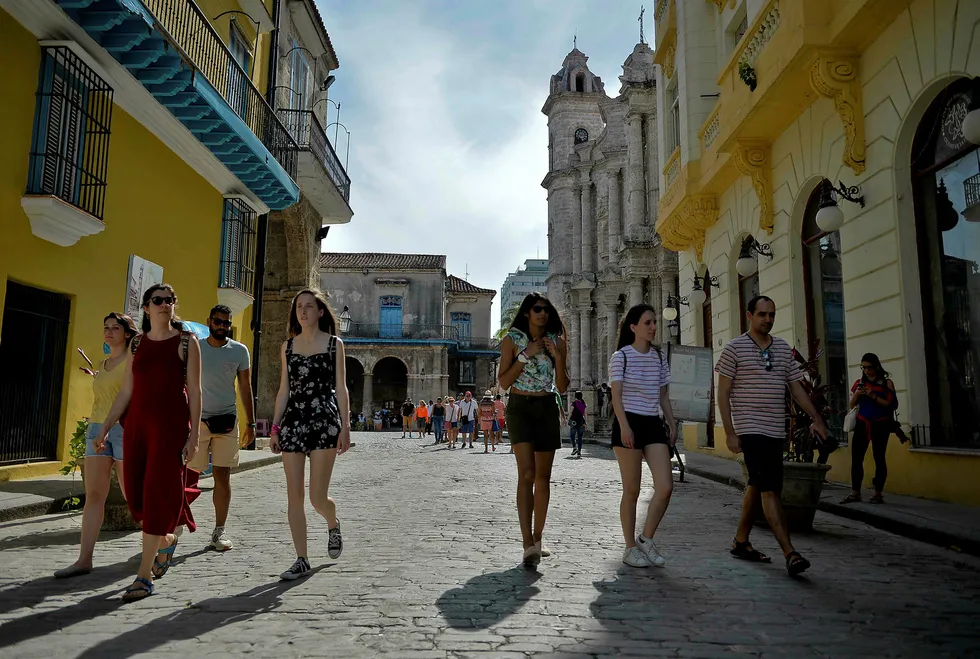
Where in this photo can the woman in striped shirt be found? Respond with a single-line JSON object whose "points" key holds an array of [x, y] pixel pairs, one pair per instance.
{"points": [[639, 375]]}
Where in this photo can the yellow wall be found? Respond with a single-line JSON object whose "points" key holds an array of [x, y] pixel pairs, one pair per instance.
{"points": [[156, 207]]}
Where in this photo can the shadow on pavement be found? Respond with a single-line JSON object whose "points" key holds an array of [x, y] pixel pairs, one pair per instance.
{"points": [[485, 600], [55, 538], [36, 591]]}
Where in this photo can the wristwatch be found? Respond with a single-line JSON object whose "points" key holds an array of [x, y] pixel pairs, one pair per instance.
{"points": [[251, 425], [521, 357]]}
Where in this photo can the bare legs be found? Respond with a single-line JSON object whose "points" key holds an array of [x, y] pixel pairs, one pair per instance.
{"points": [[631, 470], [533, 490], [772, 508], [221, 494], [98, 477], [321, 469]]}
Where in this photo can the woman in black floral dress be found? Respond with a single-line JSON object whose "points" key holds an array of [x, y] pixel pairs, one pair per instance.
{"points": [[312, 419]]}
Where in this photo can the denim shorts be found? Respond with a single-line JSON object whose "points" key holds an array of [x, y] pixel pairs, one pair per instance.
{"points": [[113, 442], [467, 427]]}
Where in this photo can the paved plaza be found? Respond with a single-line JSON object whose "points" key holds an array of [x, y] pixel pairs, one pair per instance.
{"points": [[430, 569]]}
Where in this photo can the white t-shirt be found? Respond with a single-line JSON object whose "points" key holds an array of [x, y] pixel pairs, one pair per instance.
{"points": [[643, 376], [467, 411]]}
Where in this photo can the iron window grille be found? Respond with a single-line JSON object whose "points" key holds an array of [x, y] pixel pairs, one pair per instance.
{"points": [[70, 142], [237, 246]]}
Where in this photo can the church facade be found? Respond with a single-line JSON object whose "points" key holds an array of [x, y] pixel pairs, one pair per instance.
{"points": [[603, 188]]}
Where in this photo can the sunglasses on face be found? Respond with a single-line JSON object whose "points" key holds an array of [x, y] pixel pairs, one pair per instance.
{"points": [[766, 359], [221, 323], [867, 367], [537, 308], [160, 300]]}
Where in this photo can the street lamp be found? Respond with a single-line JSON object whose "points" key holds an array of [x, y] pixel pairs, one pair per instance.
{"points": [[748, 256], [697, 296], [673, 305], [829, 217], [345, 320]]}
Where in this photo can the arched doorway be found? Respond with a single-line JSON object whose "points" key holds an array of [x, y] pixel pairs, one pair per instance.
{"points": [[823, 286], [355, 385], [946, 190], [390, 383]]}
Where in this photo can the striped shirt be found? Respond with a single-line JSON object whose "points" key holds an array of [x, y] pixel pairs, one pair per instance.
{"points": [[758, 396], [642, 375]]}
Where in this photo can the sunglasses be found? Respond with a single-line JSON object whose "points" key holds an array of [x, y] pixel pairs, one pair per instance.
{"points": [[766, 359], [537, 308], [867, 367], [221, 323], [160, 301]]}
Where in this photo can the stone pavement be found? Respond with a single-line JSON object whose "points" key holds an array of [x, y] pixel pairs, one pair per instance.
{"points": [[430, 569]]}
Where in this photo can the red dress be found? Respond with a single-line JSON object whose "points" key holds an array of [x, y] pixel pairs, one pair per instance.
{"points": [[158, 486]]}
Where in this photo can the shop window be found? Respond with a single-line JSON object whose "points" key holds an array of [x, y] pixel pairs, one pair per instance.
{"points": [[824, 290], [946, 182], [70, 142], [237, 269]]}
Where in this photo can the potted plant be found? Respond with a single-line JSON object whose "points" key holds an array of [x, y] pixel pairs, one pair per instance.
{"points": [[747, 75], [805, 456]]}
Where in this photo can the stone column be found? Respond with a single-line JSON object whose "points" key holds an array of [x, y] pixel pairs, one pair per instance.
{"points": [[588, 230], [612, 332], [585, 345], [576, 230], [368, 405], [653, 170], [615, 217], [574, 371], [636, 290], [635, 189], [655, 300]]}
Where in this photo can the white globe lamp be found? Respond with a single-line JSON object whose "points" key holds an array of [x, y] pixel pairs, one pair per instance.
{"points": [[697, 297], [670, 313], [971, 127], [830, 218], [747, 265]]}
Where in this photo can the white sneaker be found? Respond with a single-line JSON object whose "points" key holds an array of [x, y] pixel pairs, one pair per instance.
{"points": [[219, 541], [545, 551], [300, 568], [532, 556], [649, 549], [635, 558]]}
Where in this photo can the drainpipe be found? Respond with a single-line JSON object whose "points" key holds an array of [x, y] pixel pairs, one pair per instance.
{"points": [[263, 228]]}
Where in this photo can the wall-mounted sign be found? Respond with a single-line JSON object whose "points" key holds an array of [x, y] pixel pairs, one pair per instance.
{"points": [[691, 379], [142, 275]]}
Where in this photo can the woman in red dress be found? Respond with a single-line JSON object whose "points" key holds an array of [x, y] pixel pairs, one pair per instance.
{"points": [[161, 397]]}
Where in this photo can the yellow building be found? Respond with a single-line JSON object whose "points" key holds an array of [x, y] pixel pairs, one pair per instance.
{"points": [[772, 110], [138, 144]]}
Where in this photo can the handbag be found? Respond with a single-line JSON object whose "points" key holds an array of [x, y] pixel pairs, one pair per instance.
{"points": [[850, 421], [221, 424]]}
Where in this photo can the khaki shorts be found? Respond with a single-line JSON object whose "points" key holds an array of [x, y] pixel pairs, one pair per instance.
{"points": [[223, 448]]}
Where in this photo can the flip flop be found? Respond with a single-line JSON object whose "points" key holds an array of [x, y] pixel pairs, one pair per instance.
{"points": [[145, 586], [163, 567], [71, 571]]}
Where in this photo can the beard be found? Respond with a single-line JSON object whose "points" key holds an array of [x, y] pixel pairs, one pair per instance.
{"points": [[220, 334]]}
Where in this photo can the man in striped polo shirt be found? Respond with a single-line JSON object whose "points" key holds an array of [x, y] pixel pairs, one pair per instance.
{"points": [[754, 371]]}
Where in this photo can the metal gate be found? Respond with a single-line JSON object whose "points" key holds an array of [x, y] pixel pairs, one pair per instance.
{"points": [[33, 343]]}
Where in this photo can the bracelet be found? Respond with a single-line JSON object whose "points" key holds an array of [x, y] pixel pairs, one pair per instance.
{"points": [[275, 429]]}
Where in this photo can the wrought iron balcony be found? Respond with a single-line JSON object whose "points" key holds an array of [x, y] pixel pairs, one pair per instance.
{"points": [[305, 128], [402, 331]]}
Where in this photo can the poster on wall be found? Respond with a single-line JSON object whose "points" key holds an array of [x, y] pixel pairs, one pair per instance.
{"points": [[691, 378], [142, 275]]}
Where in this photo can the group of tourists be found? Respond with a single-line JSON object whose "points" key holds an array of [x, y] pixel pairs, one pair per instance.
{"points": [[167, 402]]}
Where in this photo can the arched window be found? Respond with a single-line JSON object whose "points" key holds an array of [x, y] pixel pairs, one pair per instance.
{"points": [[748, 288], [823, 285], [580, 82], [946, 189]]}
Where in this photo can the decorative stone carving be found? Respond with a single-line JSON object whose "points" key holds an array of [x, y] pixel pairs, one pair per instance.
{"points": [[835, 76], [761, 36], [711, 130], [669, 53], [752, 158], [686, 224], [59, 222]]}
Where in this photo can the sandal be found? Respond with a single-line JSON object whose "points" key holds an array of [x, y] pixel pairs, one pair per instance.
{"points": [[877, 498], [746, 552], [851, 498], [145, 586], [159, 569], [795, 563]]}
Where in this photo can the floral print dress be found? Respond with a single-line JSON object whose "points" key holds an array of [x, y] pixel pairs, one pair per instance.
{"points": [[311, 421]]}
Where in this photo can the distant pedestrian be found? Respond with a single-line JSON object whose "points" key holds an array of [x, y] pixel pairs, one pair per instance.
{"points": [[224, 362], [576, 424], [408, 417], [499, 410], [312, 418], [421, 418], [874, 396], [532, 366], [467, 417], [754, 371], [118, 331], [428, 419], [487, 421], [161, 397], [600, 399], [640, 377], [452, 418], [438, 419]]}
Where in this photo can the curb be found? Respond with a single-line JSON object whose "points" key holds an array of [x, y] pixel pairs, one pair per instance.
{"points": [[54, 506], [932, 536]]}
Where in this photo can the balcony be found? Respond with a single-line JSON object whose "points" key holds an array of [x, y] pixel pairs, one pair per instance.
{"points": [[322, 177], [402, 332], [172, 49]]}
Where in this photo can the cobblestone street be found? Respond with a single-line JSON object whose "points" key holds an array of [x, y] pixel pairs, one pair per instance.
{"points": [[430, 569]]}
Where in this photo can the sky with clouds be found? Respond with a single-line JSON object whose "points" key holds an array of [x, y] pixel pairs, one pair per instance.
{"points": [[443, 101]]}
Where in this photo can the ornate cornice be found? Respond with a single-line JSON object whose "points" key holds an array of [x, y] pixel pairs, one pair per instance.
{"points": [[686, 225], [753, 159], [665, 54], [835, 76]]}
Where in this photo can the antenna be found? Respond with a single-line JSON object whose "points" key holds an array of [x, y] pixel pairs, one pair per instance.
{"points": [[466, 272], [640, 19]]}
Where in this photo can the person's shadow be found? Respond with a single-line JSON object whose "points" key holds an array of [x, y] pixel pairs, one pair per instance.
{"points": [[199, 618], [485, 600], [31, 593]]}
